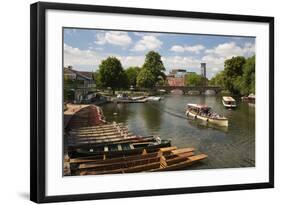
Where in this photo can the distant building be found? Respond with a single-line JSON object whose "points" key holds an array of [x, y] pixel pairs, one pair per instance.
{"points": [[176, 77], [80, 82], [203, 70]]}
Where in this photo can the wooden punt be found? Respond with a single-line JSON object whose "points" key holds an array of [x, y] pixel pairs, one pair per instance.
{"points": [[110, 137], [103, 130], [103, 126], [116, 163], [121, 140], [100, 158], [125, 148], [116, 134], [132, 159], [98, 131], [159, 163], [180, 163]]}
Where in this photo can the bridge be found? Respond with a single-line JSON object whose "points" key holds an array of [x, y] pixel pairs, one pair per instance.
{"points": [[186, 89]]}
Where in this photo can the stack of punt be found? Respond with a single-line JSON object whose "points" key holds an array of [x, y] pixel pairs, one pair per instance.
{"points": [[112, 139], [165, 159]]}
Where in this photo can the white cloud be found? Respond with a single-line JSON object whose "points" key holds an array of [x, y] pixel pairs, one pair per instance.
{"points": [[128, 61], [113, 37], [148, 42], [193, 49], [177, 48], [172, 62], [230, 49], [216, 56], [77, 57]]}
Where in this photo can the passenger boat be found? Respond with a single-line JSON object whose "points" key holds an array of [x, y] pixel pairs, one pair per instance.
{"points": [[250, 98], [205, 113], [228, 102], [121, 148], [171, 159]]}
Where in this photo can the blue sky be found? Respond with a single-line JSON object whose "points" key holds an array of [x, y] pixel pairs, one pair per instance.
{"points": [[85, 48]]}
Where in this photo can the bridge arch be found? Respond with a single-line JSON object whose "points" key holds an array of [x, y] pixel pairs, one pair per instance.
{"points": [[186, 89]]}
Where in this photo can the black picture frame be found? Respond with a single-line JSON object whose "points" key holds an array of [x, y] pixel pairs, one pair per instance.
{"points": [[38, 100]]}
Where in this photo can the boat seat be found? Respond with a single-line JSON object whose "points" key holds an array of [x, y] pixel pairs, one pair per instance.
{"points": [[119, 147]]}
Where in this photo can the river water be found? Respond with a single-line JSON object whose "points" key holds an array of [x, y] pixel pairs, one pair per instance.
{"points": [[230, 147]]}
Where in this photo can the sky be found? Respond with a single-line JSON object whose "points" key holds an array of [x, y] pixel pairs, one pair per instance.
{"points": [[84, 49]]}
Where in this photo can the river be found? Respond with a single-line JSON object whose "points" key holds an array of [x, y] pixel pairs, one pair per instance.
{"points": [[230, 147]]}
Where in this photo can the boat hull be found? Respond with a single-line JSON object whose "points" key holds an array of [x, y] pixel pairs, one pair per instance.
{"points": [[219, 122], [229, 105], [150, 148]]}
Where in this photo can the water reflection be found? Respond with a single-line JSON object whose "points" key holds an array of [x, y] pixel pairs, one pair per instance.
{"points": [[152, 115]]}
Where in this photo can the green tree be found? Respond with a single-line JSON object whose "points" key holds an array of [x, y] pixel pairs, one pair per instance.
{"points": [[132, 73], [238, 76], [145, 78], [155, 65], [193, 79], [248, 77], [111, 74], [218, 79], [233, 70]]}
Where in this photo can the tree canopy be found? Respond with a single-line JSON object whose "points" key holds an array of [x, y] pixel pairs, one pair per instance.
{"points": [[145, 78], [193, 79], [233, 70], [154, 64], [238, 76], [248, 77], [218, 79], [132, 73], [111, 74]]}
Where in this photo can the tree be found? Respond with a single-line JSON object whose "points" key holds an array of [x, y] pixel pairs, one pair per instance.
{"points": [[145, 78], [111, 74], [155, 65], [233, 70], [193, 79], [218, 79], [238, 76], [248, 77], [132, 73]]}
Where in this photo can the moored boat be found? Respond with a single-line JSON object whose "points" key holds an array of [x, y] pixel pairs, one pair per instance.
{"points": [[92, 142], [121, 148], [154, 98], [171, 159], [251, 99], [229, 102], [205, 113]]}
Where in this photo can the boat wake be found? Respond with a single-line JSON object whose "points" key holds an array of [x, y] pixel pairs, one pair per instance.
{"points": [[169, 111]]}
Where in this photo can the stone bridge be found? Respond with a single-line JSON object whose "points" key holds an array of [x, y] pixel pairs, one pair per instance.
{"points": [[186, 89]]}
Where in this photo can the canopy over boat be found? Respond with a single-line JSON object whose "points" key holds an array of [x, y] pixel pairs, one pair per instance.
{"points": [[228, 99], [251, 95], [198, 106]]}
